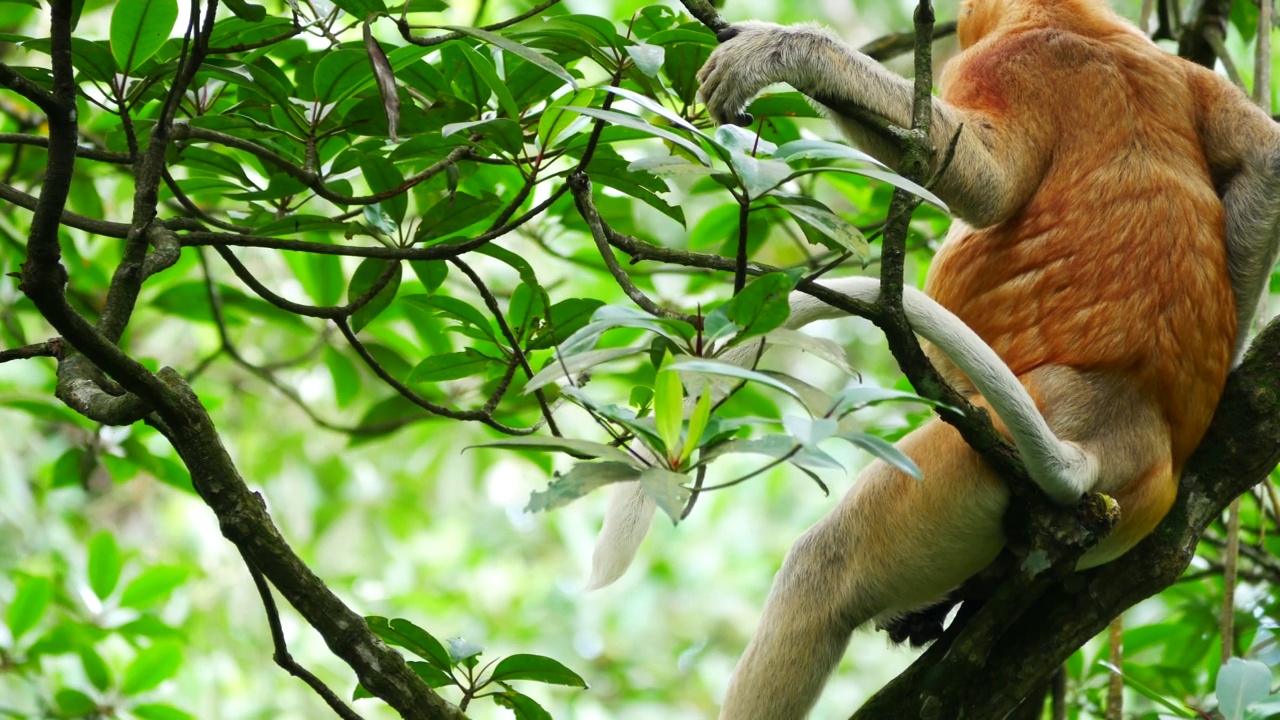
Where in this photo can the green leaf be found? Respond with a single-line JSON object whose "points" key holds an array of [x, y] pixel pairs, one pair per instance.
{"points": [[668, 408], [152, 586], [762, 305], [95, 669], [73, 703], [555, 120], [563, 320], [1241, 683], [28, 605], [246, 10], [525, 52], [648, 58], [457, 310], [660, 110], [522, 706], [821, 348], [822, 150], [405, 634], [1150, 694], [581, 479], [362, 8], [340, 72], [139, 28], [454, 214], [713, 367], [809, 431], [883, 450], [382, 175], [581, 448], [366, 275], [432, 675], [506, 134], [157, 711], [346, 379], [152, 666], [635, 123], [489, 75], [840, 234], [537, 668], [892, 178], [450, 366], [697, 424], [759, 176], [669, 166], [857, 396], [574, 364], [432, 273], [104, 564], [667, 490]]}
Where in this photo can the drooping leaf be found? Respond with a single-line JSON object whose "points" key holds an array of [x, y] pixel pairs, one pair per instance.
{"points": [[572, 446], [636, 123], [363, 280], [583, 478], [809, 149], [883, 450], [713, 367], [574, 364], [821, 348], [522, 706], [385, 78], [524, 51], [667, 490]]}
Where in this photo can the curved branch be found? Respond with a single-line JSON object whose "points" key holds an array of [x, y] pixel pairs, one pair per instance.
{"points": [[407, 34]]}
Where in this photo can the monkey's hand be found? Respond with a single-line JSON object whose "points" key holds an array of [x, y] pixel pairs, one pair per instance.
{"points": [[753, 55]]}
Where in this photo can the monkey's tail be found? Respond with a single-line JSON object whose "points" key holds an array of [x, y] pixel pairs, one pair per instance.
{"points": [[626, 522]]}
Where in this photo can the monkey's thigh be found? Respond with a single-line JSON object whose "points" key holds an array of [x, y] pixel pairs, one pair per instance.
{"points": [[895, 542], [1125, 431]]}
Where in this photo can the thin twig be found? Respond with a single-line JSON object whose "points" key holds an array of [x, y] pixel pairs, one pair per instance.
{"points": [[281, 654]]}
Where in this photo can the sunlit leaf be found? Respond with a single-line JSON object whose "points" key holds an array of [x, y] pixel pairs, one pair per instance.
{"points": [[104, 564], [536, 668], [667, 490], [579, 448]]}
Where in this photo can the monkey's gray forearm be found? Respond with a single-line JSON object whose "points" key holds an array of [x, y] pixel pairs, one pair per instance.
{"points": [[981, 189], [1063, 470]]}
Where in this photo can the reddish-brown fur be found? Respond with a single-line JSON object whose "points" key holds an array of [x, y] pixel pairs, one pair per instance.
{"points": [[1118, 262]]}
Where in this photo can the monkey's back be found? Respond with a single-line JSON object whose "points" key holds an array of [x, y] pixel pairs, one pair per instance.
{"points": [[1117, 262]]}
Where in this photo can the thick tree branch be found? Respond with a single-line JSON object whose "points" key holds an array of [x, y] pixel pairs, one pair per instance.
{"points": [[184, 421]]}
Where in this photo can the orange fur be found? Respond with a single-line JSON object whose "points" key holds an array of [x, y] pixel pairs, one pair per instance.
{"points": [[1118, 262], [1117, 220]]}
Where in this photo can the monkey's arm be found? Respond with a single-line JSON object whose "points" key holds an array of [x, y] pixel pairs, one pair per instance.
{"points": [[996, 166], [1242, 145]]}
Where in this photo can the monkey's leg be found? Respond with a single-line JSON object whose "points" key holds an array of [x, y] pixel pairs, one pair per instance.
{"points": [[892, 544]]}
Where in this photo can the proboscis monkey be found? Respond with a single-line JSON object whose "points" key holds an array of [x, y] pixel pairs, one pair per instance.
{"points": [[1118, 215]]}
